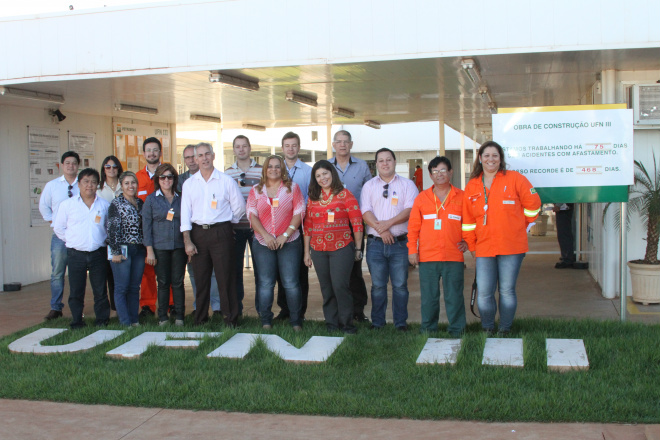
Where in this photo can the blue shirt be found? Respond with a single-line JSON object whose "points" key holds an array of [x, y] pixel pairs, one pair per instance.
{"points": [[354, 176], [160, 232], [300, 173]]}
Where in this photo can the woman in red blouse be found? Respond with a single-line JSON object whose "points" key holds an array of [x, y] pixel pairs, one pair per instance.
{"points": [[331, 211], [275, 208]]}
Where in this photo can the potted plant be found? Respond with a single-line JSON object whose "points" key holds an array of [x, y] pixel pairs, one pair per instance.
{"points": [[644, 199]]}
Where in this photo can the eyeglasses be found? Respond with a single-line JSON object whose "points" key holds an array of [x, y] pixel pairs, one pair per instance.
{"points": [[155, 150], [242, 180], [166, 176], [108, 166], [70, 188], [386, 192], [443, 172]]}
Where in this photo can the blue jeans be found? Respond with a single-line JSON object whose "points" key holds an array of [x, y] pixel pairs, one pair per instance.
{"points": [[58, 260], [491, 271], [388, 262], [215, 296], [286, 263], [244, 238], [128, 277]]}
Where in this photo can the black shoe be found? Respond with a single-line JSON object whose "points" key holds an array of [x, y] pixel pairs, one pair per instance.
{"points": [[403, 328], [563, 265], [373, 327], [349, 331], [145, 312], [282, 316], [217, 315], [360, 317], [53, 314]]}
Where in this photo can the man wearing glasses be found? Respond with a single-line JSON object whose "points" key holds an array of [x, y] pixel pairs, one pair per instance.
{"points": [[151, 148], [386, 201], [55, 192], [246, 172], [435, 242], [193, 167], [353, 173]]}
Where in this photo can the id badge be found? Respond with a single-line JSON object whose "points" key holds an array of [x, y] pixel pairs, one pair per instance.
{"points": [[214, 204], [437, 224], [395, 199], [97, 219], [331, 216], [276, 202], [170, 215]]}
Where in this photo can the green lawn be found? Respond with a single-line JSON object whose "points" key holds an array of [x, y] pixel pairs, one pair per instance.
{"points": [[371, 374]]}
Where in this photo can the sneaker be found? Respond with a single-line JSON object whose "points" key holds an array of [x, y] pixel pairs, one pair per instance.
{"points": [[53, 314], [297, 328], [146, 311], [162, 323], [403, 328], [267, 327], [360, 317], [135, 324], [179, 322]]}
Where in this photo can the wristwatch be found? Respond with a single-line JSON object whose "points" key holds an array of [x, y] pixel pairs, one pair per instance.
{"points": [[286, 234]]}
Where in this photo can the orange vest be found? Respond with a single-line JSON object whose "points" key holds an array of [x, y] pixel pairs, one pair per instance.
{"points": [[145, 184], [433, 244], [512, 205]]}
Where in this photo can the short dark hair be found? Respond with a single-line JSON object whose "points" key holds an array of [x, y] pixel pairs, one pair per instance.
{"points": [[120, 169], [70, 154], [151, 140], [383, 150], [345, 133], [478, 168], [159, 172], [88, 172], [437, 160], [290, 135], [241, 136], [418, 166], [314, 189]]}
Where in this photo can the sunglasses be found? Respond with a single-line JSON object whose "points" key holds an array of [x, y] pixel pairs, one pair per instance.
{"points": [[166, 176], [70, 188], [242, 180], [386, 192], [107, 167]]}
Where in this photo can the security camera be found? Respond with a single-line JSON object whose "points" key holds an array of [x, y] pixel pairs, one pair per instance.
{"points": [[58, 114]]}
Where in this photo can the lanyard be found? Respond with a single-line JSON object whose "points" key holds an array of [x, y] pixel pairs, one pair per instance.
{"points": [[442, 205], [295, 169], [486, 194]]}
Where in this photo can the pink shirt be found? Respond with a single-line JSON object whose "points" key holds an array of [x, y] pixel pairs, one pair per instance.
{"points": [[276, 220], [400, 190]]}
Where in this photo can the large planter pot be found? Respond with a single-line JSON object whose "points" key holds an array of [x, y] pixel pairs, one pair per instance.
{"points": [[645, 279]]}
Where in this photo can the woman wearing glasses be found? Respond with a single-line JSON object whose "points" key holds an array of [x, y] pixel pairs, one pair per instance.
{"points": [[331, 212], [498, 206], [161, 222], [275, 208], [108, 189], [124, 226]]}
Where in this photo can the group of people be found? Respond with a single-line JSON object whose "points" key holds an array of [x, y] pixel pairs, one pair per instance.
{"points": [[135, 233]]}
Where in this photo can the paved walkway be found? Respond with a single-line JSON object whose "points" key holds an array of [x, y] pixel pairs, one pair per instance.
{"points": [[542, 290]]}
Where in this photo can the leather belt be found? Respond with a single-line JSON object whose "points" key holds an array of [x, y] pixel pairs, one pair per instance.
{"points": [[213, 225], [399, 238]]}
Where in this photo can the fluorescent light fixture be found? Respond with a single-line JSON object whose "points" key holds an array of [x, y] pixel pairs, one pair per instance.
{"points": [[206, 118], [486, 126], [492, 107], [485, 94], [136, 109], [345, 113], [29, 94], [234, 81], [472, 71], [254, 127], [372, 124], [301, 99]]}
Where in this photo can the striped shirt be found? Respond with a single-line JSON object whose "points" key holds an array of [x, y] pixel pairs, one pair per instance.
{"points": [[276, 221], [245, 180], [400, 190], [331, 236]]}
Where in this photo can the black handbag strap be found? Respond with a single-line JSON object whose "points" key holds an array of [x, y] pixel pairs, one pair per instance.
{"points": [[474, 296]]}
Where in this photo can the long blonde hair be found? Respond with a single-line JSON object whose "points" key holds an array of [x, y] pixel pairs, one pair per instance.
{"points": [[284, 174]]}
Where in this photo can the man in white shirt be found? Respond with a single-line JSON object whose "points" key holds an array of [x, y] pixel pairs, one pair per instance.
{"points": [[54, 193], [210, 203], [80, 224]]}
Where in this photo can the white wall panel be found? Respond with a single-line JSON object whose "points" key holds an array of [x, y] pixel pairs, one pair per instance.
{"points": [[592, 9], [384, 34], [611, 23], [26, 250], [568, 24], [49, 40], [67, 44], [493, 12], [14, 51], [361, 30], [637, 27], [519, 27]]}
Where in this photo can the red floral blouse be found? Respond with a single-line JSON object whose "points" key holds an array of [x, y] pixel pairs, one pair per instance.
{"points": [[327, 221]]}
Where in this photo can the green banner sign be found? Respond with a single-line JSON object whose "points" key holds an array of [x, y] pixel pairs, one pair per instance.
{"points": [[584, 194]]}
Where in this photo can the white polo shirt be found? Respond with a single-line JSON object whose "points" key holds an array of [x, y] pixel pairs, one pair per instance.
{"points": [[80, 227]]}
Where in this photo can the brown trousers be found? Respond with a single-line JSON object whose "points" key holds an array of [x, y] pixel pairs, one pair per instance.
{"points": [[215, 251]]}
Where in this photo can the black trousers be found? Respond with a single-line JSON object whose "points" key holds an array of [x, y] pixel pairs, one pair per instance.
{"points": [[170, 271], [564, 221], [216, 251], [357, 285], [80, 262]]}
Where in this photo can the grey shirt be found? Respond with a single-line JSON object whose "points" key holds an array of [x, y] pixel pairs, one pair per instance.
{"points": [[354, 176], [182, 178], [160, 232]]}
